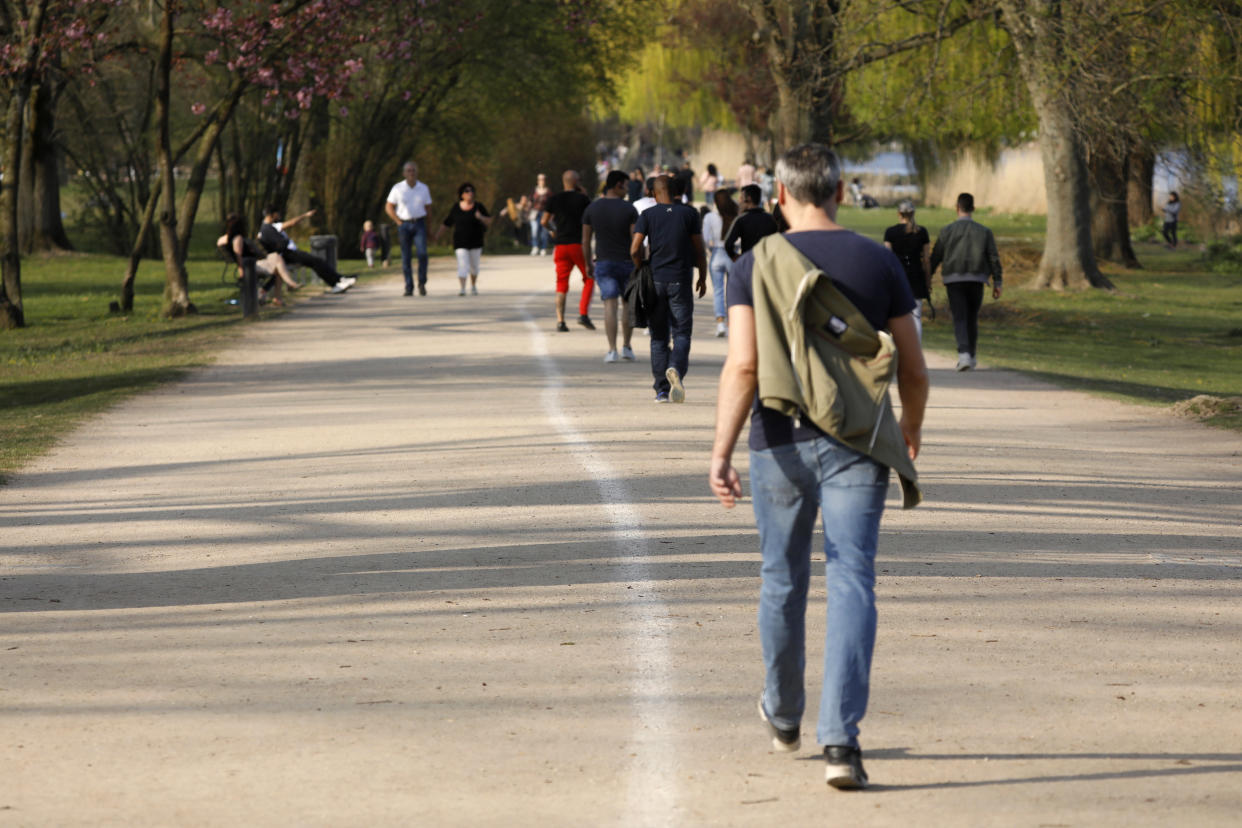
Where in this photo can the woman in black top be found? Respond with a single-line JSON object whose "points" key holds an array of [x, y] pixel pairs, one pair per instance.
{"points": [[912, 246], [469, 221], [269, 266]]}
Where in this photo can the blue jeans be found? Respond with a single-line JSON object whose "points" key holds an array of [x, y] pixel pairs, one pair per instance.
{"points": [[674, 310], [413, 233], [719, 267], [790, 484], [539, 237]]}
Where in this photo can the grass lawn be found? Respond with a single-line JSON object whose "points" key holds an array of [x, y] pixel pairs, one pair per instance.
{"points": [[1169, 332]]}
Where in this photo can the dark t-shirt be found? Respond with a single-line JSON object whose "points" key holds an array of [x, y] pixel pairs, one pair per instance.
{"points": [[669, 229], [611, 219], [567, 208], [634, 190], [273, 240], [749, 228], [467, 229], [909, 250], [866, 273]]}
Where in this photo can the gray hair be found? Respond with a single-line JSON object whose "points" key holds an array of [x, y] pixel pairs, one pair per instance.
{"points": [[811, 173]]}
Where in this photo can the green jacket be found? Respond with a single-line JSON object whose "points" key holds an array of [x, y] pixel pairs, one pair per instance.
{"points": [[820, 359], [967, 249]]}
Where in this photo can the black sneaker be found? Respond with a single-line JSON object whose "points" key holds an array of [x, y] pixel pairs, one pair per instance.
{"points": [[845, 768], [561, 327], [408, 293], [422, 290], [585, 321], [785, 741]]}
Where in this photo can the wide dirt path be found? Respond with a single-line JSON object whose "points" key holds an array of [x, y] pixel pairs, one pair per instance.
{"points": [[425, 562]]}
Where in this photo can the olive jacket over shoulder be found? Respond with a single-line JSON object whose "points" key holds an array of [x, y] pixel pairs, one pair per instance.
{"points": [[820, 360]]}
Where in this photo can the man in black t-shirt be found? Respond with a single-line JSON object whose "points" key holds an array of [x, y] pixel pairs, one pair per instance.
{"points": [[611, 220], [564, 210], [674, 234], [797, 470], [752, 225]]}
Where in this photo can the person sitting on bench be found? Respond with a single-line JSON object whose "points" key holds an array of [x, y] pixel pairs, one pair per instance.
{"points": [[274, 239], [269, 266]]}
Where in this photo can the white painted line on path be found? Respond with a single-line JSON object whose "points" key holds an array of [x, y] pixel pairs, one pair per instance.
{"points": [[651, 782]]}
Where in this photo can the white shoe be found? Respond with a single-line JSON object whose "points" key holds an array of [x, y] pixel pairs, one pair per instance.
{"points": [[676, 391], [543, 251], [534, 251], [474, 291], [721, 330], [344, 284], [627, 353], [973, 363], [611, 356], [964, 362], [461, 292]]}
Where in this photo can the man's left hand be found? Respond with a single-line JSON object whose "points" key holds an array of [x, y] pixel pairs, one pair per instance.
{"points": [[701, 286], [996, 291]]}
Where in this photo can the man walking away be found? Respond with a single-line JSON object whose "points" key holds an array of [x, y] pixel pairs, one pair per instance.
{"points": [[611, 219], [407, 205], [798, 465], [752, 225], [673, 232], [274, 239], [565, 209], [968, 252]]}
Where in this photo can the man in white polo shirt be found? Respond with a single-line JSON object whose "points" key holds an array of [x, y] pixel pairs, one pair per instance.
{"points": [[407, 205]]}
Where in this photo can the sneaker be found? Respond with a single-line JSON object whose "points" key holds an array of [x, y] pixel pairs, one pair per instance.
{"points": [[422, 290], [662, 397], [585, 321], [973, 363], [408, 293], [343, 285], [845, 768], [611, 356], [534, 251], [474, 291], [627, 353], [678, 391], [721, 330], [783, 741], [461, 292], [561, 327], [964, 362]]}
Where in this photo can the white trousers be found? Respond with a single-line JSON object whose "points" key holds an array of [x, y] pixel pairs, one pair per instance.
{"points": [[468, 261]]}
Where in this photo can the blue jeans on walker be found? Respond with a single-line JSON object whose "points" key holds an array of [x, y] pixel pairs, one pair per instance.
{"points": [[674, 312], [539, 236], [413, 233], [790, 485], [719, 267]]}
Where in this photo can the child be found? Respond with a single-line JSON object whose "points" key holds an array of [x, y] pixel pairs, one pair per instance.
{"points": [[370, 242]]}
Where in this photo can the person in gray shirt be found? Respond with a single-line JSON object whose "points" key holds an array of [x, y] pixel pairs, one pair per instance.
{"points": [[968, 252]]}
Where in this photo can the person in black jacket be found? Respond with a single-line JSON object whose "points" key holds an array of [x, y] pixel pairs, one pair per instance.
{"points": [[752, 225], [274, 239]]}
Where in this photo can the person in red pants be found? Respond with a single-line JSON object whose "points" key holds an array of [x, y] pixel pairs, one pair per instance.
{"points": [[564, 210]]}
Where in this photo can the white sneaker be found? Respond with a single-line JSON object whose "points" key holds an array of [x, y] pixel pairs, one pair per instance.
{"points": [[344, 284], [676, 391], [721, 330], [534, 251], [611, 356], [461, 292], [543, 252], [964, 362], [627, 353], [973, 363], [474, 291]]}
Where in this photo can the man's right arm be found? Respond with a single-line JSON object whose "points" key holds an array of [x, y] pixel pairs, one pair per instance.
{"points": [[391, 210]]}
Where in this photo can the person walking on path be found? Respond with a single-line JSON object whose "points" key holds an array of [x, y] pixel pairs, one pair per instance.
{"points": [[469, 220], [752, 225], [407, 205], [565, 209], [798, 469], [913, 248], [274, 239], [611, 220], [709, 182], [746, 173], [674, 234], [967, 251], [1172, 208], [715, 225], [539, 237]]}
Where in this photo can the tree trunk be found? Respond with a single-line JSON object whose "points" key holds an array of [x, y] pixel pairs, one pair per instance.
{"points": [[140, 246], [1139, 195], [198, 174], [1110, 222], [11, 312], [176, 284], [1069, 256], [41, 227]]}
